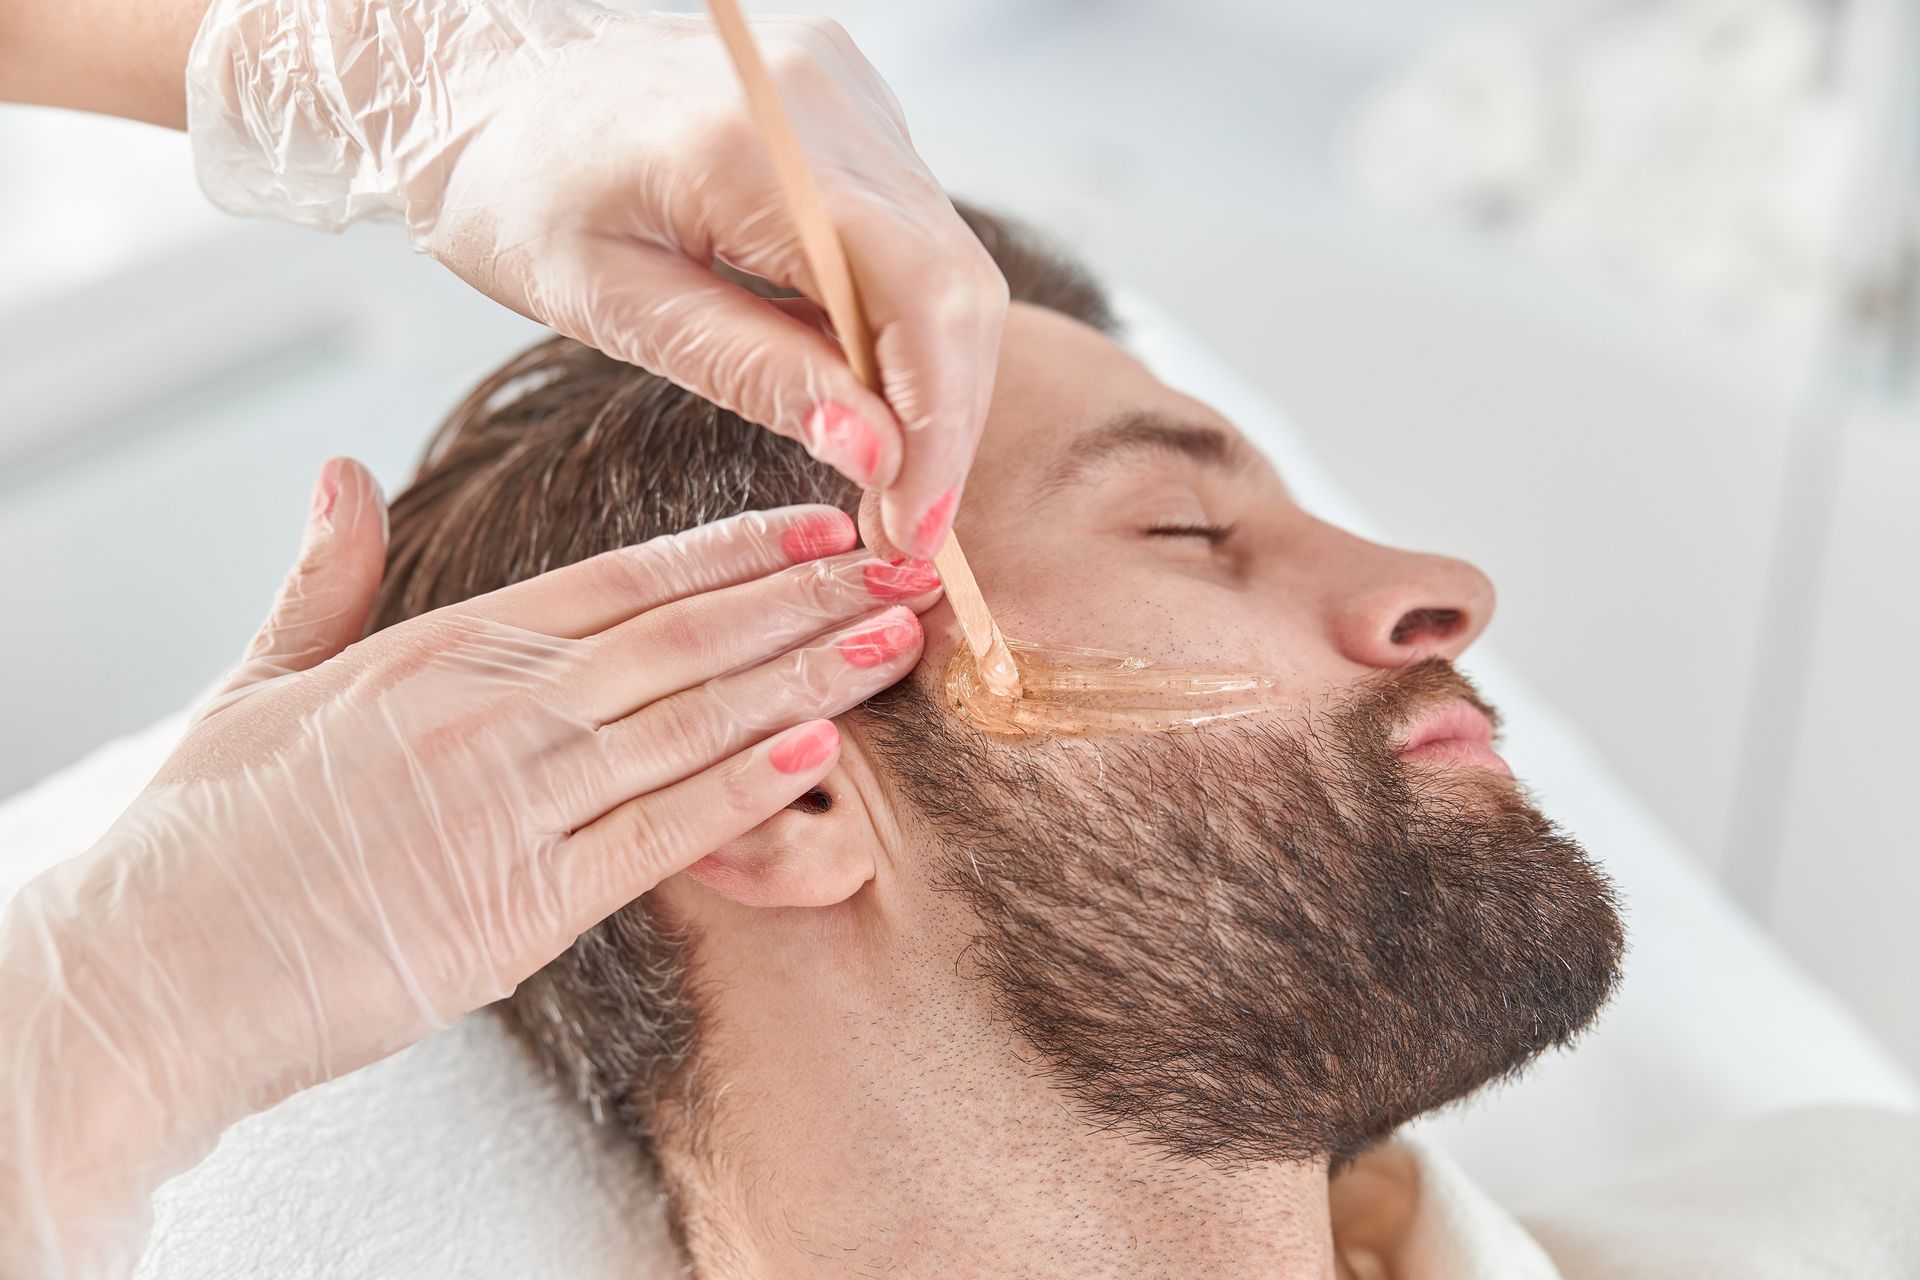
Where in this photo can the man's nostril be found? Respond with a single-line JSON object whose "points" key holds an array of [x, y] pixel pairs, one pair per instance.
{"points": [[1434, 624]]}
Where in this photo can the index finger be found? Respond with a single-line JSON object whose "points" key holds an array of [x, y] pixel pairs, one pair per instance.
{"points": [[606, 590], [937, 305]]}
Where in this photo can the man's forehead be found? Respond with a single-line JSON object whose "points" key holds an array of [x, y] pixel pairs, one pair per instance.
{"points": [[1068, 396]]}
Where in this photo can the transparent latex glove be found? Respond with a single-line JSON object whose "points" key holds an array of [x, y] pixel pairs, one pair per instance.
{"points": [[359, 842], [586, 167]]}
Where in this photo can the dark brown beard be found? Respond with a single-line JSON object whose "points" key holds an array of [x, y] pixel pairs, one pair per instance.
{"points": [[1261, 943]]}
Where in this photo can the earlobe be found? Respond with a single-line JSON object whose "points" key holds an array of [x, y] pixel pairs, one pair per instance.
{"points": [[816, 852]]}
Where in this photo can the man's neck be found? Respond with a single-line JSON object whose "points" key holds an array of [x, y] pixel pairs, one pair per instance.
{"points": [[934, 1150]]}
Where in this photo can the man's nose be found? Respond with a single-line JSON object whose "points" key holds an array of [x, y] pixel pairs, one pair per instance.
{"points": [[1393, 608]]}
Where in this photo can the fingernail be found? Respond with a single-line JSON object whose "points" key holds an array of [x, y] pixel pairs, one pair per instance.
{"points": [[818, 536], [326, 493], [806, 748], [844, 440], [869, 648], [900, 578], [933, 525]]}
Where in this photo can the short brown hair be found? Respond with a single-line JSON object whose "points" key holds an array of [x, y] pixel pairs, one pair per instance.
{"points": [[562, 454]]}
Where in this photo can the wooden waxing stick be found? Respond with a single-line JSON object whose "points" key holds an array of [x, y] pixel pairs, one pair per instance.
{"points": [[820, 243]]}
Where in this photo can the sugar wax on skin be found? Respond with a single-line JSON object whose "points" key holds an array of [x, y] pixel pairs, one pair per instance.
{"points": [[1072, 692]]}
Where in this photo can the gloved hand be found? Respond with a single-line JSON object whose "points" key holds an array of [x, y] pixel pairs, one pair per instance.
{"points": [[586, 167], [359, 842]]}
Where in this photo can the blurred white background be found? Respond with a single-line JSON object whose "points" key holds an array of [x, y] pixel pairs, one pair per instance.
{"points": [[1604, 295]]}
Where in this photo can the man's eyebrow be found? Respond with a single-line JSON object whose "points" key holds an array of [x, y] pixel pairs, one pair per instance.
{"points": [[1142, 432]]}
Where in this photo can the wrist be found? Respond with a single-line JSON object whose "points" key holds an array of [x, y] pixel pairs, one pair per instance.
{"points": [[88, 1129], [327, 112], [277, 128]]}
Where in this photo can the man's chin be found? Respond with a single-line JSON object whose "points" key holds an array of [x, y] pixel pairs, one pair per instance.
{"points": [[1248, 945]]}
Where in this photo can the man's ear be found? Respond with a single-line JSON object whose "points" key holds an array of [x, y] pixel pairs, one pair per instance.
{"points": [[816, 852]]}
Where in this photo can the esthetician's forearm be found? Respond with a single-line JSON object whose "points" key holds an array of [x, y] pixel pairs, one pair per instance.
{"points": [[116, 57]]}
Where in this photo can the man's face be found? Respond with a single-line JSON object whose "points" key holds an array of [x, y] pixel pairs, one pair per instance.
{"points": [[1276, 938], [1107, 510]]}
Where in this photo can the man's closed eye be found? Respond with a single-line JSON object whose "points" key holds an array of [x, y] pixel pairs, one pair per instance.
{"points": [[1214, 534]]}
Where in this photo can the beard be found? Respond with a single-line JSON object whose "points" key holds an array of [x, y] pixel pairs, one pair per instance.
{"points": [[1260, 942]]}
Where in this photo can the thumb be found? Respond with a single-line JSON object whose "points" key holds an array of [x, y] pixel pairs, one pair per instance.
{"points": [[323, 605]]}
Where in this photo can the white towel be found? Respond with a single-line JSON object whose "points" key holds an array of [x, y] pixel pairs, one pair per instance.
{"points": [[453, 1158]]}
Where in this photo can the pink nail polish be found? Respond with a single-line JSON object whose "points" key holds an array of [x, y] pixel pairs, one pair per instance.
{"points": [[901, 579], [806, 749], [933, 524], [876, 645], [818, 536], [843, 439]]}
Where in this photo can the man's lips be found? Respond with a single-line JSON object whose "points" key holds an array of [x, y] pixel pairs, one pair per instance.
{"points": [[1454, 733]]}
